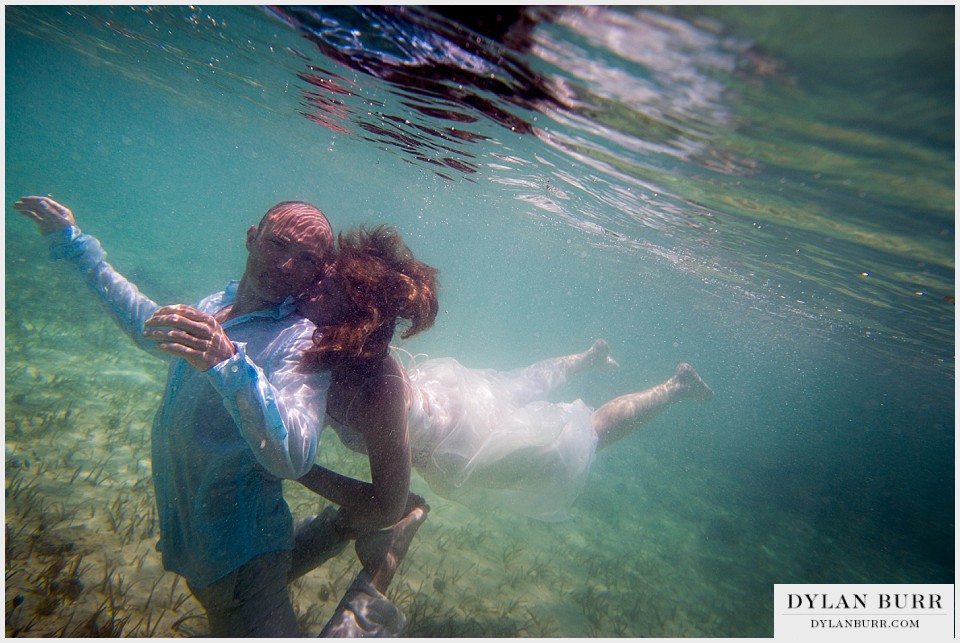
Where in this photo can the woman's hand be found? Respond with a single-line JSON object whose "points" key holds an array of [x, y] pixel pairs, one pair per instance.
{"points": [[381, 552]]}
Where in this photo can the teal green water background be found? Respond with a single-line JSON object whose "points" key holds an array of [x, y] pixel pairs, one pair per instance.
{"points": [[765, 193]]}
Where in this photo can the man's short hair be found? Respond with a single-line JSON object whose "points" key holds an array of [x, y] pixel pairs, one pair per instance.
{"points": [[302, 208]]}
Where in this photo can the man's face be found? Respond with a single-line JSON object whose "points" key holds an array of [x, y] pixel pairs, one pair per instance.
{"points": [[287, 254]]}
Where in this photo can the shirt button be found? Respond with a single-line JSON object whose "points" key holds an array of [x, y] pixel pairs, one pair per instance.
{"points": [[235, 368]]}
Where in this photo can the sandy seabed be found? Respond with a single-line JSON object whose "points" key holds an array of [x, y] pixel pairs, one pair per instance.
{"points": [[647, 552]]}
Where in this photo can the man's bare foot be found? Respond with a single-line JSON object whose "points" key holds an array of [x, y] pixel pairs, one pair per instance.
{"points": [[690, 384], [381, 552]]}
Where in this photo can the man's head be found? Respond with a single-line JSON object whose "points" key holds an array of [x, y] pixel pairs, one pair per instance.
{"points": [[288, 251]]}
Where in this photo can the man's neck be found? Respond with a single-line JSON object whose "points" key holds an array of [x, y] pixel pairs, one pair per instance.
{"points": [[245, 302]]}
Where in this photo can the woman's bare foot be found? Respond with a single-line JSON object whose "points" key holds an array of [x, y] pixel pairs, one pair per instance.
{"points": [[381, 552], [596, 355], [690, 384]]}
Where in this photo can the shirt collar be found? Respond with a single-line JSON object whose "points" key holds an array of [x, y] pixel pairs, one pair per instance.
{"points": [[286, 308]]}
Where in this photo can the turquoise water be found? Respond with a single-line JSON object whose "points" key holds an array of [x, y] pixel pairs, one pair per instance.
{"points": [[765, 193]]}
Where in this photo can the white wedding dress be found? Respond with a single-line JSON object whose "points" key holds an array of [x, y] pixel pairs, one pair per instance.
{"points": [[488, 439]]}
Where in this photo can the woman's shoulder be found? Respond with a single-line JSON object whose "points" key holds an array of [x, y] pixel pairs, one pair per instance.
{"points": [[385, 387], [354, 400]]}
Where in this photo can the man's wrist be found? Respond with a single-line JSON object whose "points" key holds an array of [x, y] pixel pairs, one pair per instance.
{"points": [[234, 373]]}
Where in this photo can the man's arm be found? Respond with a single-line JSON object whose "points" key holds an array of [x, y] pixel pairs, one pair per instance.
{"points": [[128, 307], [279, 417]]}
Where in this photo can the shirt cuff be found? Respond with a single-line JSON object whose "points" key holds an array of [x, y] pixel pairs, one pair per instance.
{"points": [[233, 373], [82, 250]]}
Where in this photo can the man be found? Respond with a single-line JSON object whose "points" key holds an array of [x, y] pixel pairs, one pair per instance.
{"points": [[237, 415]]}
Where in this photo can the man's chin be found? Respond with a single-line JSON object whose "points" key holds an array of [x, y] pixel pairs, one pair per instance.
{"points": [[277, 295]]}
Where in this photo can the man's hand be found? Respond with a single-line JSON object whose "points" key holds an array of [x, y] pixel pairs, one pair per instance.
{"points": [[184, 331], [49, 215]]}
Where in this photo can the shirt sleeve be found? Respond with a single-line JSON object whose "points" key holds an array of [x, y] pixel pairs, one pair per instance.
{"points": [[128, 307], [280, 416]]}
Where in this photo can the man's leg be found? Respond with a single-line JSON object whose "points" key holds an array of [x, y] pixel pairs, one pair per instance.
{"points": [[315, 542], [251, 601]]}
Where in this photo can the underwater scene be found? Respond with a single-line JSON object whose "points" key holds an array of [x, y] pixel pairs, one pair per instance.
{"points": [[765, 193]]}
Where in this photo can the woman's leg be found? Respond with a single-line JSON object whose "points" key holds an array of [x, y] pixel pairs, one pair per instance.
{"points": [[597, 355], [623, 415], [536, 381]]}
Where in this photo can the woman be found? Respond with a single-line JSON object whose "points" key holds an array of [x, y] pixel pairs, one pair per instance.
{"points": [[375, 282], [479, 436]]}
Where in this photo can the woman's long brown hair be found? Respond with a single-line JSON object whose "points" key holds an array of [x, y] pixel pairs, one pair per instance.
{"points": [[385, 283]]}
